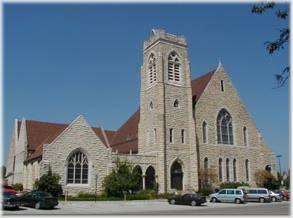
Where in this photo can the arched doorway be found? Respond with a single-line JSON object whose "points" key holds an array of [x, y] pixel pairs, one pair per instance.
{"points": [[176, 176], [150, 178], [138, 172]]}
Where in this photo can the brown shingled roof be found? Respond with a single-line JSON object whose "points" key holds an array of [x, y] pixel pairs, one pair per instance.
{"points": [[39, 133], [125, 137], [198, 85], [123, 140]]}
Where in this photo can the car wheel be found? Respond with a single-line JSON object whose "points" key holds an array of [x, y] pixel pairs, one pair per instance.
{"points": [[193, 203], [237, 201], [38, 205], [261, 200], [172, 201], [214, 200], [285, 198], [274, 199]]}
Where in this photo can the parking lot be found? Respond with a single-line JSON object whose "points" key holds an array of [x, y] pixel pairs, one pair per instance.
{"points": [[157, 207]]}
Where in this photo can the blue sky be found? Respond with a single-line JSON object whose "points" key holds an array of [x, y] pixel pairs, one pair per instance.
{"points": [[62, 60]]}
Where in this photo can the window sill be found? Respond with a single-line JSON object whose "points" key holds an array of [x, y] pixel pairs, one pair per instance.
{"points": [[77, 185]]}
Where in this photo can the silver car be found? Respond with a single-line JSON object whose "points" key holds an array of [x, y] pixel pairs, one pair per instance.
{"points": [[228, 195]]}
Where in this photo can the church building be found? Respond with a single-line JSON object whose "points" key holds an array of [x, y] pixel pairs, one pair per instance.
{"points": [[182, 126]]}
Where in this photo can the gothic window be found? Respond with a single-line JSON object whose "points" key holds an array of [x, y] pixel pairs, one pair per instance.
{"points": [[247, 170], [155, 134], [182, 135], [220, 170], [152, 69], [176, 103], [13, 167], [206, 163], [171, 135], [234, 171], [222, 85], [176, 176], [224, 128], [204, 132], [245, 135], [77, 168], [151, 105], [173, 67], [227, 170]]}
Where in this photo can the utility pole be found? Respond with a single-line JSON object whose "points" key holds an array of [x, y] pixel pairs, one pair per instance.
{"points": [[279, 158]]}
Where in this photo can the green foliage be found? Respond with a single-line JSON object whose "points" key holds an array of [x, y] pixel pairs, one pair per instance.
{"points": [[206, 190], [121, 180], [232, 184], [18, 186], [49, 183]]}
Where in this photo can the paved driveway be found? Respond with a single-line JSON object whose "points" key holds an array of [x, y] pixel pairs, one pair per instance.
{"points": [[158, 207]]}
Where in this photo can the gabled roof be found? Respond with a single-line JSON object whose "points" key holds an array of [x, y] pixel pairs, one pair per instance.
{"points": [[123, 140]]}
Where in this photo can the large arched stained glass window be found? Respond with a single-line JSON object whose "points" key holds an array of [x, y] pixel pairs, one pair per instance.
{"points": [[224, 128], [77, 168]]}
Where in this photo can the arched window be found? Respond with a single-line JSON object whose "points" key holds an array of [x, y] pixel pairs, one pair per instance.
{"points": [[150, 178], [247, 170], [176, 103], [204, 132], [234, 171], [268, 168], [77, 168], [245, 135], [173, 67], [176, 176], [151, 106], [224, 128], [220, 170], [138, 172], [227, 169], [206, 163], [152, 69]]}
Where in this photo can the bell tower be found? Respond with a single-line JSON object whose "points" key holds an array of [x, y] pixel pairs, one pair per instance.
{"points": [[166, 127]]}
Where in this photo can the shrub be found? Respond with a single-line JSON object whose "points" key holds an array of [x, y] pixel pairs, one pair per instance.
{"points": [[164, 195], [85, 195], [121, 180], [206, 190], [49, 183], [266, 180], [232, 184], [18, 186]]}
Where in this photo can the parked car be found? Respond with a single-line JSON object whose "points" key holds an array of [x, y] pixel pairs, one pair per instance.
{"points": [[258, 195], [285, 195], [38, 200], [275, 196], [7, 188], [228, 195], [10, 201], [187, 199]]}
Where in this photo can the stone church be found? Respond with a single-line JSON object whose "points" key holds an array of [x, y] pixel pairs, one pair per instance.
{"points": [[181, 126]]}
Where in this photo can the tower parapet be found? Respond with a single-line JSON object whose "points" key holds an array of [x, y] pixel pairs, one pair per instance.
{"points": [[160, 34]]}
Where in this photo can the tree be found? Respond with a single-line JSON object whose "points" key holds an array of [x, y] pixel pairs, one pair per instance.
{"points": [[49, 183], [207, 177], [121, 180], [281, 42], [287, 181], [265, 179]]}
